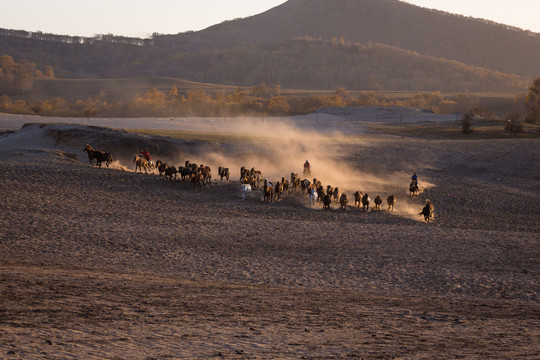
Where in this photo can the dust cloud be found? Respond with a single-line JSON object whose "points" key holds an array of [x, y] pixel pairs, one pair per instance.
{"points": [[278, 148]]}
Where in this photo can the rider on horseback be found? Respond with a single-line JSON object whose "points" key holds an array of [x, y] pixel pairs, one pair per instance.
{"points": [[307, 168], [145, 154], [414, 178]]}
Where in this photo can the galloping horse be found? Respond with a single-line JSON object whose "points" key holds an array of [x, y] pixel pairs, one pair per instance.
{"points": [[327, 200], [391, 201], [378, 202], [313, 196], [343, 201], [365, 202], [413, 189], [246, 191], [224, 173], [358, 198], [161, 166], [100, 156], [141, 163], [427, 211]]}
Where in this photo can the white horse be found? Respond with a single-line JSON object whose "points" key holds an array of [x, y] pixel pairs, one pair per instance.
{"points": [[246, 191], [313, 196]]}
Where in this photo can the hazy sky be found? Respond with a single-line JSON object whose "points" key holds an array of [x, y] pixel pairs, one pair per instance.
{"points": [[140, 18]]}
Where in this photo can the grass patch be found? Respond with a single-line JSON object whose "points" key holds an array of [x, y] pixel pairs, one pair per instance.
{"points": [[485, 129]]}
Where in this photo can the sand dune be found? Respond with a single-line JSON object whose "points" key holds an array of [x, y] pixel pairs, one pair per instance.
{"points": [[101, 263]]}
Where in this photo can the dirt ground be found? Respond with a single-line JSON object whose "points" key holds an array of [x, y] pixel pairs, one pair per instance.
{"points": [[109, 264]]}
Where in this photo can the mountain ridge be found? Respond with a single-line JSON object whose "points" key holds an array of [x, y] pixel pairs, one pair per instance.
{"points": [[497, 48]]}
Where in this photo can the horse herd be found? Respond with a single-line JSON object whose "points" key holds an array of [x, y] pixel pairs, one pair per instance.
{"points": [[251, 179]]}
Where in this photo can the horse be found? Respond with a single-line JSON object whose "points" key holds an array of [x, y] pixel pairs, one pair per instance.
{"points": [[357, 198], [196, 179], [391, 201], [378, 202], [427, 211], [336, 195], [326, 200], [268, 193], [304, 185], [207, 176], [320, 192], [295, 181], [243, 172], [161, 166], [170, 171], [141, 163], [246, 191], [185, 172], [285, 184], [343, 201], [330, 190], [278, 190], [365, 202], [413, 189], [313, 196], [100, 156], [223, 173]]}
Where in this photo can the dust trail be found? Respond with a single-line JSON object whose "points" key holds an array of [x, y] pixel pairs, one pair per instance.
{"points": [[118, 166], [278, 148]]}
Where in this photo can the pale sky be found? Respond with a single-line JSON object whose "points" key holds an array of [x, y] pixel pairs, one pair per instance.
{"points": [[141, 18]]}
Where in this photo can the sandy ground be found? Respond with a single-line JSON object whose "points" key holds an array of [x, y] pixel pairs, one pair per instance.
{"points": [[104, 263]]}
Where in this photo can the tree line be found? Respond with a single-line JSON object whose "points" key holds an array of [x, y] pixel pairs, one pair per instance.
{"points": [[18, 77], [260, 100]]}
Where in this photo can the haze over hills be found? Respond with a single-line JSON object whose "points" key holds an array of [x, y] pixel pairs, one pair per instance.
{"points": [[311, 44]]}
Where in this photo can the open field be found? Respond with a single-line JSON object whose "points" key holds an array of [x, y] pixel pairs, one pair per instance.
{"points": [[106, 263]]}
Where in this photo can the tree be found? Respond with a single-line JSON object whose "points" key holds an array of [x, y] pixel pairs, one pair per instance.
{"points": [[260, 90], [49, 72], [6, 62], [23, 83], [532, 103], [173, 92]]}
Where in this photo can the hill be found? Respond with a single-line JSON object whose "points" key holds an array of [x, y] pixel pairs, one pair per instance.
{"points": [[318, 64], [315, 44], [453, 37]]}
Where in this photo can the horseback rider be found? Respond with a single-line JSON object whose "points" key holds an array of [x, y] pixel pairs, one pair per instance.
{"points": [[307, 168], [414, 178], [145, 154]]}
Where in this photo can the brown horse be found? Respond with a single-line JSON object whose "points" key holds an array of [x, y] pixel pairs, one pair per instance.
{"points": [[391, 201], [357, 198], [326, 200], [278, 190], [413, 189], [343, 201], [141, 163], [100, 156], [427, 211], [378, 202], [336, 195], [268, 193], [161, 166], [196, 179], [365, 202]]}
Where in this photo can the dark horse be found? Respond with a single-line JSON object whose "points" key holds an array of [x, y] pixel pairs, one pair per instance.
{"points": [[224, 173], [413, 189], [427, 211], [100, 156]]}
